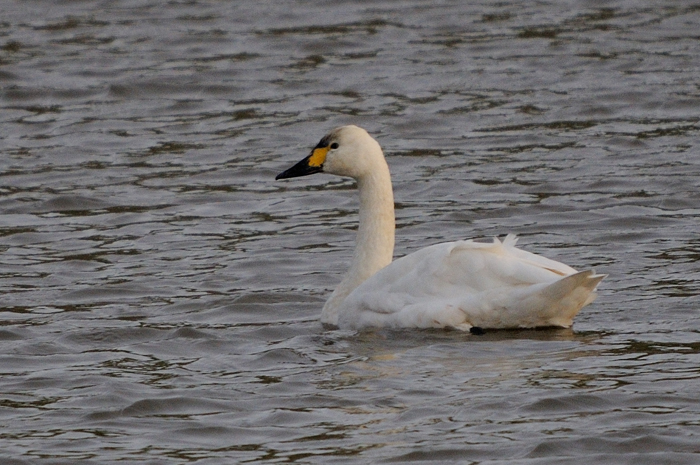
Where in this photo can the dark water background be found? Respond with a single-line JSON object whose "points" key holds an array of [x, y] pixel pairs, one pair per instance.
{"points": [[160, 292]]}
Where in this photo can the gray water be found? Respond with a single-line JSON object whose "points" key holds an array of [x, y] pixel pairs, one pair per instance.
{"points": [[160, 292]]}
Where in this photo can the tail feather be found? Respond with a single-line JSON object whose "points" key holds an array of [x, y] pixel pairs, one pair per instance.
{"points": [[571, 294], [584, 279]]}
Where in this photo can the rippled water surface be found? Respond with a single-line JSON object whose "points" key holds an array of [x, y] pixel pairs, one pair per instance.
{"points": [[160, 292]]}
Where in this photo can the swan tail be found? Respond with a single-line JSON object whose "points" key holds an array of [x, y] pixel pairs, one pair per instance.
{"points": [[569, 295]]}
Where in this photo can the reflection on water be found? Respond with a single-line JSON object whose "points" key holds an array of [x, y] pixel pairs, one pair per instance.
{"points": [[160, 292]]}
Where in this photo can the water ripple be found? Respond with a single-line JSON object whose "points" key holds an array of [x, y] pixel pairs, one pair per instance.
{"points": [[160, 292]]}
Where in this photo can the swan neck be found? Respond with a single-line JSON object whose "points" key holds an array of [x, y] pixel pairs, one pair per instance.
{"points": [[374, 247], [374, 244]]}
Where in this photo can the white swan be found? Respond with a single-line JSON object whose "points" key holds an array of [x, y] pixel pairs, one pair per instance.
{"points": [[460, 284]]}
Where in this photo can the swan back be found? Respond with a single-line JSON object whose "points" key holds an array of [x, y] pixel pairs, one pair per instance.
{"points": [[463, 284]]}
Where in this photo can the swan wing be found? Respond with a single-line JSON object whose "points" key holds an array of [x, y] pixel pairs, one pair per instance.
{"points": [[465, 283]]}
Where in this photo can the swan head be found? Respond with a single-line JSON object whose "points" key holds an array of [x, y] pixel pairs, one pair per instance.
{"points": [[345, 151]]}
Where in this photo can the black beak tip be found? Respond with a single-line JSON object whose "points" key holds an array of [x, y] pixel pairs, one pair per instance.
{"points": [[292, 172], [300, 169]]}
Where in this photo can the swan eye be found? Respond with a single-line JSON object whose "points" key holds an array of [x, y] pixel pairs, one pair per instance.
{"points": [[334, 145]]}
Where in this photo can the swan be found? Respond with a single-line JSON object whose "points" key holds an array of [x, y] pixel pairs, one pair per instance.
{"points": [[464, 284]]}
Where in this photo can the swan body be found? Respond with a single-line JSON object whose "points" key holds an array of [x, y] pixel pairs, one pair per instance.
{"points": [[460, 284]]}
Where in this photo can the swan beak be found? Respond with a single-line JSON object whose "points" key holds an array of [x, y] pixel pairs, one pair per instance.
{"points": [[309, 165]]}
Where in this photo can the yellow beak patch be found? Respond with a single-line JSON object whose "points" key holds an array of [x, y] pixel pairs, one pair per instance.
{"points": [[318, 157]]}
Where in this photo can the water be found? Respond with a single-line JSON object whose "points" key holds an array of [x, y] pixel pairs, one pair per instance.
{"points": [[160, 292]]}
